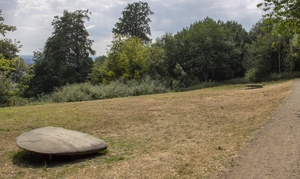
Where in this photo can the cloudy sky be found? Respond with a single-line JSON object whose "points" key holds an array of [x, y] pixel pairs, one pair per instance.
{"points": [[33, 17]]}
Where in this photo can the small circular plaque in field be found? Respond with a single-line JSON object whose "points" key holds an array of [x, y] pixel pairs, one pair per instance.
{"points": [[59, 141]]}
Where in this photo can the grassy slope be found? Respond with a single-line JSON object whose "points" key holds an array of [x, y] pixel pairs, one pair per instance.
{"points": [[176, 135]]}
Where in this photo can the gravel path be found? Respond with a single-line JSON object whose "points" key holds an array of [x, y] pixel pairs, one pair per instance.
{"points": [[275, 151]]}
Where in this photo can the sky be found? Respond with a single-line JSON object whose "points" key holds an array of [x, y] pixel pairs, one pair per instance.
{"points": [[33, 17]]}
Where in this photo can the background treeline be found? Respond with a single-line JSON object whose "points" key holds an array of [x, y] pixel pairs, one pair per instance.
{"points": [[207, 52]]}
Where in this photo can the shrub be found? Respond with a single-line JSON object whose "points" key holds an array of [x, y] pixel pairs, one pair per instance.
{"points": [[251, 75], [236, 81], [283, 76], [202, 85], [9, 93], [119, 88]]}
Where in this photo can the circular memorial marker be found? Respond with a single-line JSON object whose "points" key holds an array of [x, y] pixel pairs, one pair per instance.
{"points": [[59, 141]]}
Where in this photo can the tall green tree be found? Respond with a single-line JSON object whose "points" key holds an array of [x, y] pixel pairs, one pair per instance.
{"points": [[67, 52], [238, 37], [135, 21], [266, 54], [8, 47], [44, 78], [169, 43], [210, 50], [282, 20], [13, 69], [293, 62], [126, 59], [157, 65], [283, 15]]}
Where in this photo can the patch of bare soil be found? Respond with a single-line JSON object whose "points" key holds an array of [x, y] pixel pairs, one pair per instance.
{"points": [[275, 150]]}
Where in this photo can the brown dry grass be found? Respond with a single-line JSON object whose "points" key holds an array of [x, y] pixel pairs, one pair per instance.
{"points": [[176, 135]]}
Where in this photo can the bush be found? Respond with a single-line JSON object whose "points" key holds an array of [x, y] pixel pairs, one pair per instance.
{"points": [[283, 76], [119, 88], [202, 85], [9, 93], [251, 75], [236, 81], [16, 101]]}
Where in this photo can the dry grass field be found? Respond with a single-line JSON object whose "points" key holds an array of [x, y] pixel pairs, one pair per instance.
{"points": [[191, 134]]}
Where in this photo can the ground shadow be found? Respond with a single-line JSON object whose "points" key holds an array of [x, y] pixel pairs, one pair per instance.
{"points": [[26, 159]]}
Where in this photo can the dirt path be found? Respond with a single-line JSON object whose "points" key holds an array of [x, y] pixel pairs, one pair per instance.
{"points": [[275, 150]]}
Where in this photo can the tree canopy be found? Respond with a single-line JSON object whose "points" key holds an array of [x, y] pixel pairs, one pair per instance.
{"points": [[211, 50], [127, 59], [13, 69], [135, 21], [4, 28], [66, 55], [69, 48], [282, 15]]}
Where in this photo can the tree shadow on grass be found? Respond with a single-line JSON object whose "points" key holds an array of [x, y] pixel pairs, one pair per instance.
{"points": [[26, 159]]}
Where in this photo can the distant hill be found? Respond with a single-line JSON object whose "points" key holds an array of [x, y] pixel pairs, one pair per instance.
{"points": [[28, 59]]}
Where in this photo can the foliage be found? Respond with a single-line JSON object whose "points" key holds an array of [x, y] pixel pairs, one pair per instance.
{"points": [[135, 21], [6, 65], [13, 69], [211, 50], [127, 59], [282, 18], [4, 28], [119, 88], [169, 44], [100, 60], [6, 88], [67, 50], [282, 15], [251, 75], [293, 62], [9, 92], [266, 54], [239, 38], [257, 30], [44, 79], [65, 57], [9, 48], [201, 85], [157, 65]]}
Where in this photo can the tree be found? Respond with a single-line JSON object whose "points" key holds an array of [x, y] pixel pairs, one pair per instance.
{"points": [[169, 44], [157, 66], [44, 78], [127, 59], [5, 28], [284, 15], [67, 51], [135, 21], [210, 50], [293, 55], [282, 20], [266, 53], [238, 37], [13, 69]]}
